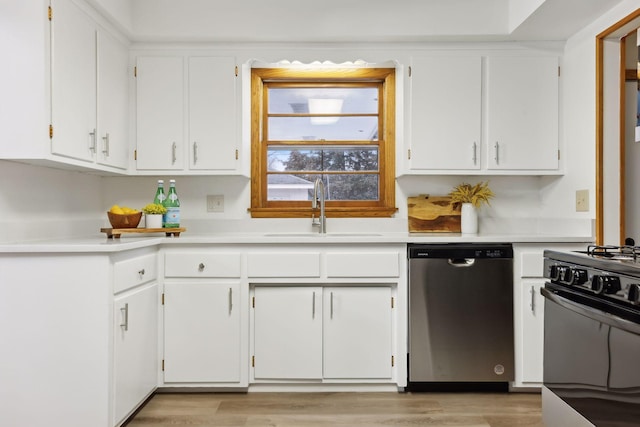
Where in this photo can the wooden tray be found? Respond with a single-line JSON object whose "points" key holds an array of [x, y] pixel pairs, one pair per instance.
{"points": [[116, 232], [433, 214]]}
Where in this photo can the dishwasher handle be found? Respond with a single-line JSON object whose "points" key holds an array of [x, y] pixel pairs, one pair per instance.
{"points": [[461, 262]]}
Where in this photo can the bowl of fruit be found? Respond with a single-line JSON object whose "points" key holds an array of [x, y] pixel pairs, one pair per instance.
{"points": [[123, 217]]}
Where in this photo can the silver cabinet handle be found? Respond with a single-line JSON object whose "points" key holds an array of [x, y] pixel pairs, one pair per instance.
{"points": [[92, 147], [173, 153], [313, 305], [141, 272], [475, 152], [195, 152], [497, 156], [533, 300], [331, 306], [230, 300], [201, 267], [125, 317], [105, 138]]}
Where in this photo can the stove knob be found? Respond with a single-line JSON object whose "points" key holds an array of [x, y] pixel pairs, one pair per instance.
{"points": [[605, 284], [565, 274], [554, 273], [612, 284], [634, 293], [579, 277]]}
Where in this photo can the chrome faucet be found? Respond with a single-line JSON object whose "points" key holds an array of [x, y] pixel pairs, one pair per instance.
{"points": [[322, 220]]}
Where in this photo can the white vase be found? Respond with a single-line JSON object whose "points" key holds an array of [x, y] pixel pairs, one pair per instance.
{"points": [[469, 219], [153, 221]]}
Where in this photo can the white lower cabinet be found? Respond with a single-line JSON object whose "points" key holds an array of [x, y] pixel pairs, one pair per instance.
{"points": [[287, 333], [135, 348], [528, 270], [202, 332], [357, 332], [205, 309], [532, 305], [322, 333]]}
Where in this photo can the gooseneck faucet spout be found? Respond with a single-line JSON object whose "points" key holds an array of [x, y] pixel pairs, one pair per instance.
{"points": [[318, 196]]}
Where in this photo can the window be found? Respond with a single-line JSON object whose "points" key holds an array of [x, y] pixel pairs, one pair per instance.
{"points": [[334, 124]]}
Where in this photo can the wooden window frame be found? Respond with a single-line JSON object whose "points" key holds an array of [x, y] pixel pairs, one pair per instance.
{"points": [[261, 207]]}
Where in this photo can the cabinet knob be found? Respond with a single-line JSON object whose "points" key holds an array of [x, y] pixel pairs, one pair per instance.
{"points": [[141, 272], [201, 267]]}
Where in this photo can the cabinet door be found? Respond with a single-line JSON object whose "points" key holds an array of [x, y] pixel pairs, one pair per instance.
{"points": [[212, 113], [532, 335], [288, 333], [73, 82], [136, 349], [446, 112], [522, 113], [160, 110], [113, 102], [357, 332], [202, 332]]}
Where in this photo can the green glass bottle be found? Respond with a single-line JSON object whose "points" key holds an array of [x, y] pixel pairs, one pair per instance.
{"points": [[160, 196], [172, 203]]}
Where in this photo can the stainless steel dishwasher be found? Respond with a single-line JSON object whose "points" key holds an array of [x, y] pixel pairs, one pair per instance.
{"points": [[460, 314]]}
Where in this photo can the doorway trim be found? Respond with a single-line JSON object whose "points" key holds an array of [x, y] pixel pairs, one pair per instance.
{"points": [[615, 34]]}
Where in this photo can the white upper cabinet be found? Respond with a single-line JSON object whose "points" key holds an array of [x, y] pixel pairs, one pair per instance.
{"points": [[476, 114], [187, 114], [160, 113], [113, 101], [522, 113], [446, 106], [89, 96], [212, 117], [73, 82]]}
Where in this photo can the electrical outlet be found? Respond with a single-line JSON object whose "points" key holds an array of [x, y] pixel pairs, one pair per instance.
{"points": [[215, 203], [582, 201]]}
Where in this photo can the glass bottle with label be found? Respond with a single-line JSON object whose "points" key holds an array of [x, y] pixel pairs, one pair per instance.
{"points": [[172, 203], [160, 196]]}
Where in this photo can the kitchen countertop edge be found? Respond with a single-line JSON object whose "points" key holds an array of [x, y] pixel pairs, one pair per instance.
{"points": [[102, 244]]}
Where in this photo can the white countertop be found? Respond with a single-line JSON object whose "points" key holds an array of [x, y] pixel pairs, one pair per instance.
{"points": [[101, 244]]}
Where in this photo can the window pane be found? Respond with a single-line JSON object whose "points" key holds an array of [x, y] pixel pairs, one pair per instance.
{"points": [[341, 129], [317, 159], [351, 187], [299, 187], [304, 100]]}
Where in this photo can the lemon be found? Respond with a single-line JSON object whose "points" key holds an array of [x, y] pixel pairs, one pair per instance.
{"points": [[115, 209]]}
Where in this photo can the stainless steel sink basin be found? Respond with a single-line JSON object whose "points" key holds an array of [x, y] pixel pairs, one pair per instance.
{"points": [[316, 234]]}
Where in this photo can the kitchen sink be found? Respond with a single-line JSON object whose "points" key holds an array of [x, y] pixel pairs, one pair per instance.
{"points": [[316, 234]]}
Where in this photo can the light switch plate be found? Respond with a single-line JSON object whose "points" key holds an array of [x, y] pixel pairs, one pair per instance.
{"points": [[582, 201], [215, 203]]}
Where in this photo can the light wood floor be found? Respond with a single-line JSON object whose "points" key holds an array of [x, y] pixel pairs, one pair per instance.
{"points": [[340, 409]]}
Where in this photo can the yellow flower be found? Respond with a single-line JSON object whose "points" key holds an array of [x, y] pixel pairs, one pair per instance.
{"points": [[475, 194]]}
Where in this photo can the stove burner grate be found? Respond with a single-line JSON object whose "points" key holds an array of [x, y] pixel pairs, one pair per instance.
{"points": [[612, 251]]}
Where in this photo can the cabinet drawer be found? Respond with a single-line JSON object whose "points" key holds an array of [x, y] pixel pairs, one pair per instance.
{"points": [[283, 264], [194, 264], [349, 264], [135, 271], [532, 264]]}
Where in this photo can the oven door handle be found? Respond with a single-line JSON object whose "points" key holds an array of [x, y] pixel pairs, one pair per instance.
{"points": [[592, 313]]}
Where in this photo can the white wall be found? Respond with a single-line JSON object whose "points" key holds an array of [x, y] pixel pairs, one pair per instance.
{"points": [[299, 21], [579, 115], [38, 202]]}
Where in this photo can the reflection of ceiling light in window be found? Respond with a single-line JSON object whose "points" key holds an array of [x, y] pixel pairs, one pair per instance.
{"points": [[324, 106]]}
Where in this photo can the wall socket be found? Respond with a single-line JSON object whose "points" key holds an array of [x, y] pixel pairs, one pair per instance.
{"points": [[215, 203], [582, 201]]}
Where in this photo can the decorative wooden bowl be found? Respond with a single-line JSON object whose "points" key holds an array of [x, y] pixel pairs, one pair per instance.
{"points": [[124, 221]]}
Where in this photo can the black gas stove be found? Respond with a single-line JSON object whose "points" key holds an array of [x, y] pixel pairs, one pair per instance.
{"points": [[592, 337], [607, 276]]}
